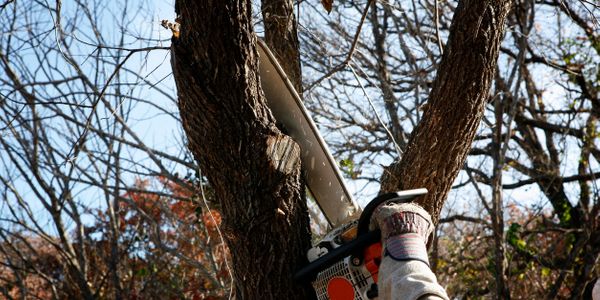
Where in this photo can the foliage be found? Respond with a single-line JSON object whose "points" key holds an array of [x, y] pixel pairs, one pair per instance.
{"points": [[537, 250]]}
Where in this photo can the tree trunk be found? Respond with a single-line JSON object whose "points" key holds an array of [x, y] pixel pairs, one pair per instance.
{"points": [[253, 168], [439, 144], [497, 214], [281, 35]]}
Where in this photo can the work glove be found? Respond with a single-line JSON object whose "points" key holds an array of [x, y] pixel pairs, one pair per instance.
{"points": [[405, 230]]}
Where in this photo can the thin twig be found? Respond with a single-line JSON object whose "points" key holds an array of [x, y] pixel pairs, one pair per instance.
{"points": [[437, 26], [6, 3], [346, 62], [463, 218], [390, 135], [96, 102], [232, 282]]}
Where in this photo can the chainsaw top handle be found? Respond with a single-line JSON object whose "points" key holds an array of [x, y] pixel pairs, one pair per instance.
{"points": [[367, 213]]}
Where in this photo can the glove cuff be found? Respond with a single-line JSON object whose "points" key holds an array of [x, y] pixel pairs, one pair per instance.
{"points": [[406, 246]]}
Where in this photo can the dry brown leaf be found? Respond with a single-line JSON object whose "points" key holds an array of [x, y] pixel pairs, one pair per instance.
{"points": [[327, 4], [174, 27]]}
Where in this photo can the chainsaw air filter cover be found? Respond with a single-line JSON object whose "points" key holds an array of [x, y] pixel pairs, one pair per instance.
{"points": [[348, 278], [342, 281]]}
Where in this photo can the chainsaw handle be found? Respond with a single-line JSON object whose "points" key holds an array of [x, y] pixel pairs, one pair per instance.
{"points": [[364, 237], [399, 197], [365, 217], [360, 242]]}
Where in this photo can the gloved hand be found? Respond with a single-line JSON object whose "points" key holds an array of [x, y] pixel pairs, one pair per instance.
{"points": [[405, 230]]}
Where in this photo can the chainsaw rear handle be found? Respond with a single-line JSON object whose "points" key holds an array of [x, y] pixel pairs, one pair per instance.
{"points": [[364, 237]]}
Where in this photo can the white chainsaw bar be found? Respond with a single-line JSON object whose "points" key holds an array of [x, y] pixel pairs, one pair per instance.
{"points": [[323, 177]]}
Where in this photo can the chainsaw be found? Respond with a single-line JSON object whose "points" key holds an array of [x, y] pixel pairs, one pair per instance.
{"points": [[344, 264]]}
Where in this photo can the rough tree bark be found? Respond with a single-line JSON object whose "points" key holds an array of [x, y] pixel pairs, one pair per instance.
{"points": [[440, 143], [253, 168]]}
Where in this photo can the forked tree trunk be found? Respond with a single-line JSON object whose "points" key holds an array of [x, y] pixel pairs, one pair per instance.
{"points": [[253, 168], [440, 143]]}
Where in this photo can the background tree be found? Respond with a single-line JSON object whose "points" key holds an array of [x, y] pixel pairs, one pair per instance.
{"points": [[166, 247], [74, 92]]}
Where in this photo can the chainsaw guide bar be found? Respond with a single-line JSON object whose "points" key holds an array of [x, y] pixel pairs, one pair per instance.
{"points": [[323, 177]]}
